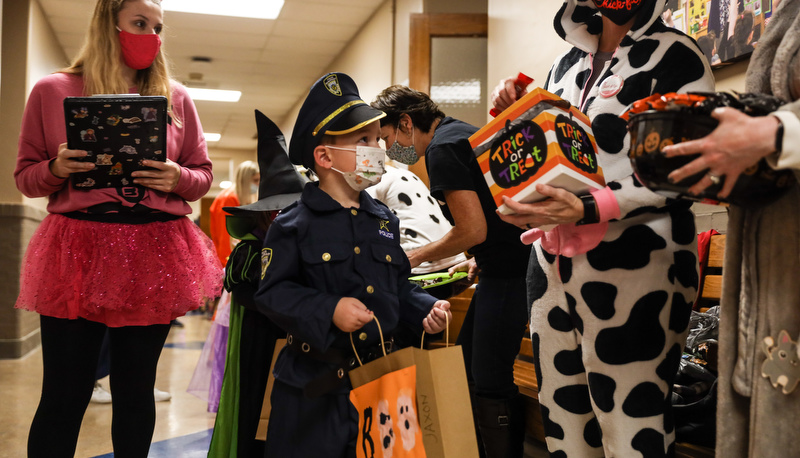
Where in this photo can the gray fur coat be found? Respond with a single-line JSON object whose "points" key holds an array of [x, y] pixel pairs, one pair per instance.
{"points": [[761, 287]]}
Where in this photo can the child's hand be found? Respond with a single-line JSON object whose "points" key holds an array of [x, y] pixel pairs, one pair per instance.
{"points": [[469, 266], [351, 314], [437, 319]]}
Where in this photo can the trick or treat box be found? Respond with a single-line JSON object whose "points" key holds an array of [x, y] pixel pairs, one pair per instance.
{"points": [[541, 138]]}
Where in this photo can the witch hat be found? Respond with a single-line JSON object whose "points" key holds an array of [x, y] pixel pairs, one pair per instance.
{"points": [[280, 185]]}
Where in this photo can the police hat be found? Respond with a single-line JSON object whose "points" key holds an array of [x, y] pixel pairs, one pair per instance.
{"points": [[280, 185], [333, 107]]}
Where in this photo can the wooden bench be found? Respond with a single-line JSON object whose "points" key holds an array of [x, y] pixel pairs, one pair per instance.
{"points": [[710, 288], [709, 291]]}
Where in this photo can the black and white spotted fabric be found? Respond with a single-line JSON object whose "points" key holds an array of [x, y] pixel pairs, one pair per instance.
{"points": [[608, 326], [421, 218]]}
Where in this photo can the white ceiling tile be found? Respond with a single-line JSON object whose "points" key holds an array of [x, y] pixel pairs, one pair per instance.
{"points": [[326, 13]]}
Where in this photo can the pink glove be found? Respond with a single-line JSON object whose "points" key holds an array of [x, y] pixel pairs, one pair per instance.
{"points": [[567, 239]]}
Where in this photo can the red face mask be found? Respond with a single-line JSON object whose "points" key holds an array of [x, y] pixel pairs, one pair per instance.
{"points": [[619, 11], [139, 51]]}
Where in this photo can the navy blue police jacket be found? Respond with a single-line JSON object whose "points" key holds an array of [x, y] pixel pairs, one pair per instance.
{"points": [[317, 252]]}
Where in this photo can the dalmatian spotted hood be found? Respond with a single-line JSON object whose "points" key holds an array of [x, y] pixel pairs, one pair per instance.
{"points": [[652, 58]]}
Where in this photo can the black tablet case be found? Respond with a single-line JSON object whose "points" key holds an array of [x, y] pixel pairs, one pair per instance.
{"points": [[118, 132]]}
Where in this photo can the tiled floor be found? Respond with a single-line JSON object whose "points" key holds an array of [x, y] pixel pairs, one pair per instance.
{"points": [[183, 419], [183, 426]]}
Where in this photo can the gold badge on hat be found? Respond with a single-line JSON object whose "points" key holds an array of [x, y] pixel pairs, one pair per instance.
{"points": [[266, 258], [331, 83]]}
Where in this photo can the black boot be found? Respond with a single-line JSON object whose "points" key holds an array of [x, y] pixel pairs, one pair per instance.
{"points": [[502, 426], [474, 402]]}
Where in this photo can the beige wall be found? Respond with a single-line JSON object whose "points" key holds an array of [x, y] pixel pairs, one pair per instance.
{"points": [[522, 39], [19, 331], [370, 58], [45, 57], [15, 19]]}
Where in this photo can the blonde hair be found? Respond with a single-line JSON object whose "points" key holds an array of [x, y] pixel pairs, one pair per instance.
{"points": [[244, 176], [99, 64]]}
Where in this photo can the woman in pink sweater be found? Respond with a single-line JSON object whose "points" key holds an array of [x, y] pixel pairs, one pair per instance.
{"points": [[124, 259]]}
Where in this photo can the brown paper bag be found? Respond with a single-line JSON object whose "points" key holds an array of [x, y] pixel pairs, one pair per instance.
{"points": [[266, 407], [443, 403]]}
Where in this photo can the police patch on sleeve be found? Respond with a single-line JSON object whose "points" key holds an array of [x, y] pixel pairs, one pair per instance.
{"points": [[266, 258], [384, 229]]}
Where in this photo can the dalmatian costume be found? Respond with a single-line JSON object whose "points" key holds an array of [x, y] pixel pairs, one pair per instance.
{"points": [[608, 326]]}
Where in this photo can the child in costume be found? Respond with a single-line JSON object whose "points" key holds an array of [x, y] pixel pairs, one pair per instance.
{"points": [[252, 336], [330, 263]]}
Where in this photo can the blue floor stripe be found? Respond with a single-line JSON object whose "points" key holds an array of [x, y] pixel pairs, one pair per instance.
{"points": [[193, 345], [189, 446]]}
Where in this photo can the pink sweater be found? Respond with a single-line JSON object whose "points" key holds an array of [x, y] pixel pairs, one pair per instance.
{"points": [[43, 130]]}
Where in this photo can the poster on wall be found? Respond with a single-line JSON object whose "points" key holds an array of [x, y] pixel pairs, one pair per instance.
{"points": [[725, 30]]}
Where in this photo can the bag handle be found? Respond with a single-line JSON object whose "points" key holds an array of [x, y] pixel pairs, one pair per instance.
{"points": [[383, 342], [446, 334]]}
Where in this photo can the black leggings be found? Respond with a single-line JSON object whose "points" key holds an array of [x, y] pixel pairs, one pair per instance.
{"points": [[70, 350]]}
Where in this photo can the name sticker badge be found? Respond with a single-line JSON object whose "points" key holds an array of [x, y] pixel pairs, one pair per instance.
{"points": [[611, 86]]}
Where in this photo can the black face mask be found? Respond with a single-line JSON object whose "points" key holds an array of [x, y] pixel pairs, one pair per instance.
{"points": [[619, 11]]}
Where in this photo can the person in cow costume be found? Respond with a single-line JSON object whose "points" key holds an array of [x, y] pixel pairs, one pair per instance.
{"points": [[608, 322]]}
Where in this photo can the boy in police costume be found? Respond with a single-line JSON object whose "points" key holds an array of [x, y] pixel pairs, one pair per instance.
{"points": [[330, 263]]}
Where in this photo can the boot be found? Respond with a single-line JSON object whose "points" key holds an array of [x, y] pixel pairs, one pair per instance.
{"points": [[502, 426], [474, 402]]}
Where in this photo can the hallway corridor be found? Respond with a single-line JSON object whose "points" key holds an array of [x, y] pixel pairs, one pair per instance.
{"points": [[183, 426]]}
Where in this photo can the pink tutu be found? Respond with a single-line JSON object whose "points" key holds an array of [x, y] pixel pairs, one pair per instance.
{"points": [[118, 274]]}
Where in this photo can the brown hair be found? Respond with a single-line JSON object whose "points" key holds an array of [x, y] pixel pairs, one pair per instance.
{"points": [[398, 100]]}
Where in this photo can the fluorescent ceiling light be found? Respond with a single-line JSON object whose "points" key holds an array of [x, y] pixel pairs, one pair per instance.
{"points": [[214, 95], [258, 9], [211, 137], [225, 184]]}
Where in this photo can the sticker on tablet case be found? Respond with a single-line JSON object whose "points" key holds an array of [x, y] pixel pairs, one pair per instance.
{"points": [[149, 114], [88, 183], [104, 159], [80, 113], [88, 135]]}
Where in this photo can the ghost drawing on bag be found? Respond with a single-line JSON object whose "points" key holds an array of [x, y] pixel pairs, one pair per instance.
{"points": [[407, 421], [385, 428], [388, 423]]}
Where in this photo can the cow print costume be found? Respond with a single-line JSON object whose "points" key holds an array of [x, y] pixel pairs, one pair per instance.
{"points": [[608, 326], [421, 218]]}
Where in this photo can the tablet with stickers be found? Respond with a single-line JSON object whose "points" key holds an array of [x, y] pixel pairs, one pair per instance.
{"points": [[118, 132]]}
